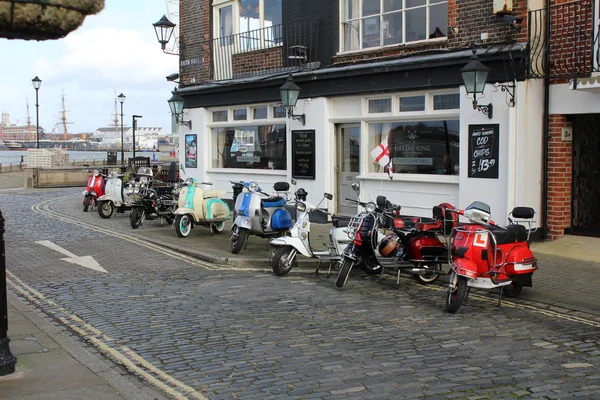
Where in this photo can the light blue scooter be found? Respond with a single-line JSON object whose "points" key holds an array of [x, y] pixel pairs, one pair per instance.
{"points": [[260, 214]]}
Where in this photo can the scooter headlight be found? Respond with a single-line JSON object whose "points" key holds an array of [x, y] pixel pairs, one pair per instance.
{"points": [[189, 181], [253, 187], [370, 207], [300, 206]]}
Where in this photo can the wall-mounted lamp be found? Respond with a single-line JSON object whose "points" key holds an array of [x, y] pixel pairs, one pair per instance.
{"points": [[289, 96], [176, 106], [474, 76], [164, 30]]}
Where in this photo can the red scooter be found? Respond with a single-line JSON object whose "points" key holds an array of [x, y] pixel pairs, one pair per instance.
{"points": [[485, 255], [94, 189]]}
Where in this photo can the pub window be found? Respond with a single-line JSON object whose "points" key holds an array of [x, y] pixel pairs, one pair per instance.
{"points": [[380, 106], [416, 147], [250, 147], [259, 113], [219, 116], [278, 112], [240, 114], [412, 103], [446, 101]]}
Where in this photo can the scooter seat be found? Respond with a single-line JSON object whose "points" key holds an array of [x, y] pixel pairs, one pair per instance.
{"points": [[510, 234], [275, 201]]}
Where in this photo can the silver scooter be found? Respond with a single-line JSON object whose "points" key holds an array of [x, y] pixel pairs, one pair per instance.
{"points": [[284, 258], [260, 214]]}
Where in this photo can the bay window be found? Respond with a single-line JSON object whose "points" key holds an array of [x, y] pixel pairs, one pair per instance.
{"points": [[250, 147], [376, 23], [421, 136]]}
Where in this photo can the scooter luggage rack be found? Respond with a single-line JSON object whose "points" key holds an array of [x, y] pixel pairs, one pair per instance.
{"points": [[480, 229], [355, 223]]}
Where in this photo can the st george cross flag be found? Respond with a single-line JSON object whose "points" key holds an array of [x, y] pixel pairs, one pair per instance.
{"points": [[381, 153]]}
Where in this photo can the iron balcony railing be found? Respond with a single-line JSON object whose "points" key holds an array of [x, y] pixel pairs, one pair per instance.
{"points": [[265, 51], [564, 40]]}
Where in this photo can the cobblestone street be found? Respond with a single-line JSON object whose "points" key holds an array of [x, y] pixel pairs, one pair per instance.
{"points": [[226, 332]]}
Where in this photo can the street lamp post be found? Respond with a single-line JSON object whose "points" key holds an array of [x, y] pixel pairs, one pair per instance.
{"points": [[37, 82], [134, 125], [121, 98], [7, 360]]}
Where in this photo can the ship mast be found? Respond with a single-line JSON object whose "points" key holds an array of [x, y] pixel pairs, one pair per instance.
{"points": [[30, 133], [63, 117]]}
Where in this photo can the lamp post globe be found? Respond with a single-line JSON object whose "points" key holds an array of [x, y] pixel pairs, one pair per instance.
{"points": [[121, 98], [289, 92], [37, 82], [474, 75], [164, 30]]}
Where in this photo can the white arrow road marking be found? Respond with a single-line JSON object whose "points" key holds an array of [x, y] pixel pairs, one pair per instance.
{"points": [[84, 261]]}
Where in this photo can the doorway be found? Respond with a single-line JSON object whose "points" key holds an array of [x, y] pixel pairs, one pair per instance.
{"points": [[586, 170], [347, 166]]}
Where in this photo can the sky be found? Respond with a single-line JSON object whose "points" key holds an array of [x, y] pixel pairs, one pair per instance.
{"points": [[112, 52]]}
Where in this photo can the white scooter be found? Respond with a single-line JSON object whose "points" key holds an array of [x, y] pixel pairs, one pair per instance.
{"points": [[284, 258], [115, 197]]}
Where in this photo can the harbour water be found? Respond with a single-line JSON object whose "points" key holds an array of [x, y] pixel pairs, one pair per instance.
{"points": [[14, 156]]}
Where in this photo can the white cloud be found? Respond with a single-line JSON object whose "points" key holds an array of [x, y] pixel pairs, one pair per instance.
{"points": [[108, 56]]}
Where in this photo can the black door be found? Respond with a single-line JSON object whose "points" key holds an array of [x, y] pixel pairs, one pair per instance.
{"points": [[586, 174]]}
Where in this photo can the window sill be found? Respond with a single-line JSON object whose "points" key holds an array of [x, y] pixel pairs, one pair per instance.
{"points": [[402, 46], [257, 171], [418, 178]]}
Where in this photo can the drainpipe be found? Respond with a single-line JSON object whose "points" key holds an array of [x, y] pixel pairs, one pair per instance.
{"points": [[546, 125]]}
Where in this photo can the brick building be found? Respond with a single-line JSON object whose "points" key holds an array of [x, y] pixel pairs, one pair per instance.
{"points": [[380, 80]]}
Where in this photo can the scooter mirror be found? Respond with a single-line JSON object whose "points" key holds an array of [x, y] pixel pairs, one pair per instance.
{"points": [[355, 187], [294, 182], [328, 196]]}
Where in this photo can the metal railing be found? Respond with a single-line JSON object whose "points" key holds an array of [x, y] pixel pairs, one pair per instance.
{"points": [[269, 50], [564, 41]]}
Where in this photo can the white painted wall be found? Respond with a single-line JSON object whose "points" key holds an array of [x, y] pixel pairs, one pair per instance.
{"points": [[520, 152], [566, 101], [317, 118]]}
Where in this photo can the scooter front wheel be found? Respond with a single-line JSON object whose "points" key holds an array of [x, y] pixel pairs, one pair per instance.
{"points": [[283, 260], [136, 217], [344, 272], [183, 225], [238, 238], [105, 209], [87, 202], [457, 292]]}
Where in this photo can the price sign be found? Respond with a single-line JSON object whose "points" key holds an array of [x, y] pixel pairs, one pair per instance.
{"points": [[483, 151], [303, 154]]}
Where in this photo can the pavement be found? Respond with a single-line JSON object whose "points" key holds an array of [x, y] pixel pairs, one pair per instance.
{"points": [[51, 364]]}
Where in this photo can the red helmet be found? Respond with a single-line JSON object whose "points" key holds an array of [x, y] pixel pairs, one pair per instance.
{"points": [[389, 245]]}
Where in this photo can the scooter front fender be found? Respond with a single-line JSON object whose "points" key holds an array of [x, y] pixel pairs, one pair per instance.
{"points": [[184, 211], [243, 222], [107, 197], [293, 242], [464, 267]]}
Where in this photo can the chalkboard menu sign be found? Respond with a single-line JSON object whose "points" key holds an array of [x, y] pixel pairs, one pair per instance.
{"points": [[303, 154], [483, 151]]}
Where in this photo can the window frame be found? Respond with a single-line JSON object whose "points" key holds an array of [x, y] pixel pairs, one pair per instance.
{"points": [[429, 114], [236, 4], [270, 120], [343, 21]]}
